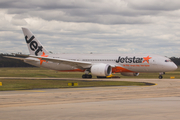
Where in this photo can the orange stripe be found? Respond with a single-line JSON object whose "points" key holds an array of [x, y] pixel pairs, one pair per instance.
{"points": [[114, 70], [75, 70], [120, 69]]}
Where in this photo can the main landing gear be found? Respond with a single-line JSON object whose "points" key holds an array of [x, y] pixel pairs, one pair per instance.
{"points": [[160, 75], [86, 76]]}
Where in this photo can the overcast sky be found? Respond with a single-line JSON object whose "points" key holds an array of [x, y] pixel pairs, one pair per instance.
{"points": [[98, 26]]}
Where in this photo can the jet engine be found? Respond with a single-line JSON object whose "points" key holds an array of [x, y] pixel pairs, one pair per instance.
{"points": [[101, 69], [129, 74]]}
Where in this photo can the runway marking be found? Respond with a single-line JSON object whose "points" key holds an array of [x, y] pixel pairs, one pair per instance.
{"points": [[155, 84], [78, 89], [31, 90], [150, 85], [38, 91]]}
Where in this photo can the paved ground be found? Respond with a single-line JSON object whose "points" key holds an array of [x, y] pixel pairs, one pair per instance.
{"points": [[161, 102]]}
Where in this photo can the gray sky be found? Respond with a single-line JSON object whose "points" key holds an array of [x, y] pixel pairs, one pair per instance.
{"points": [[98, 26]]}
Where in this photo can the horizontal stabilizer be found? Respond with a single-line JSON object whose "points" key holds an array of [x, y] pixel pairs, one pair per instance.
{"points": [[18, 58]]}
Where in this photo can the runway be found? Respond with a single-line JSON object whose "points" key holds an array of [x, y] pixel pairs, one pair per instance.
{"points": [[161, 101]]}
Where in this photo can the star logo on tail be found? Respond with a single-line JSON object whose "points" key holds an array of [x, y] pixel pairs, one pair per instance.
{"points": [[146, 59], [43, 55]]}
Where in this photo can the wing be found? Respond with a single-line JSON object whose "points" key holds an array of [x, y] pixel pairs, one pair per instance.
{"points": [[78, 64]]}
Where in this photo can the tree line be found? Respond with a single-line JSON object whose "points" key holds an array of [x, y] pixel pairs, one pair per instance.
{"points": [[8, 62]]}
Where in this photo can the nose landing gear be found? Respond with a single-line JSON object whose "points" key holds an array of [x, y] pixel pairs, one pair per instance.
{"points": [[160, 75]]}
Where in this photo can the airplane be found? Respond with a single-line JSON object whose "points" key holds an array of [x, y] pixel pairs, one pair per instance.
{"points": [[100, 65]]}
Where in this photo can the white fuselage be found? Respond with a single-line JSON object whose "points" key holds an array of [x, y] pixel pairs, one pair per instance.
{"points": [[121, 63]]}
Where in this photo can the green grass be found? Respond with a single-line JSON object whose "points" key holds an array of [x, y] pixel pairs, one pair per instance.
{"points": [[42, 73], [10, 84], [37, 72], [41, 84]]}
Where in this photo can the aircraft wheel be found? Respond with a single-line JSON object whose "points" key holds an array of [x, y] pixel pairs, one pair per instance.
{"points": [[160, 76], [89, 76], [86, 76]]}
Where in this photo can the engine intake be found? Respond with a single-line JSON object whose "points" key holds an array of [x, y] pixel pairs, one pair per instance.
{"points": [[101, 69]]}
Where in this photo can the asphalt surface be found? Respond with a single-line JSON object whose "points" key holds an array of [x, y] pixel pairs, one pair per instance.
{"points": [[161, 101]]}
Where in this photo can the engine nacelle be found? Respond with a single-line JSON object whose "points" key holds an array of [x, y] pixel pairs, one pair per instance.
{"points": [[101, 69], [129, 74]]}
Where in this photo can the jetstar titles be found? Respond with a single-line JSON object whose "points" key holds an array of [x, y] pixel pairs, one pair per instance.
{"points": [[132, 59]]}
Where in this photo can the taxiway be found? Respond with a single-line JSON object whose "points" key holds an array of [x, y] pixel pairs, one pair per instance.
{"points": [[161, 101]]}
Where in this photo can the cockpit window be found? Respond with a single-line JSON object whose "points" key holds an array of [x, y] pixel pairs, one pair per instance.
{"points": [[168, 60]]}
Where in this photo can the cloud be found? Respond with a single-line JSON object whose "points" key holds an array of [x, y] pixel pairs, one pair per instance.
{"points": [[101, 26], [155, 5]]}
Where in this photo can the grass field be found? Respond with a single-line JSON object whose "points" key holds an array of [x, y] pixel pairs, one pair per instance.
{"points": [[42, 73], [42, 84], [10, 84]]}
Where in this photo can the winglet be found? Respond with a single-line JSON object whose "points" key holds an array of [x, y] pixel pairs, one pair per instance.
{"points": [[34, 46]]}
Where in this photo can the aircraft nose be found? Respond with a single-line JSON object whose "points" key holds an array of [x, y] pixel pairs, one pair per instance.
{"points": [[170, 66], [175, 66]]}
